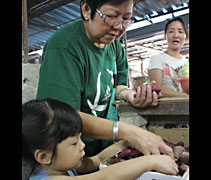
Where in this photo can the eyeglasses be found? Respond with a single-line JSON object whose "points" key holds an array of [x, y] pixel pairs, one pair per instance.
{"points": [[114, 21]]}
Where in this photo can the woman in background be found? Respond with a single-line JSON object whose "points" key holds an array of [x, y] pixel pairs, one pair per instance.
{"points": [[164, 68]]}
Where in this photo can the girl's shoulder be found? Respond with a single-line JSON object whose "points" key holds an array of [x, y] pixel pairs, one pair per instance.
{"points": [[40, 174]]}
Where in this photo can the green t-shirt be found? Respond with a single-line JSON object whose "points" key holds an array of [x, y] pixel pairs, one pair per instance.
{"points": [[75, 71]]}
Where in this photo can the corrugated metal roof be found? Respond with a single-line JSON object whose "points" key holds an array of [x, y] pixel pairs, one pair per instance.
{"points": [[44, 20], [45, 17]]}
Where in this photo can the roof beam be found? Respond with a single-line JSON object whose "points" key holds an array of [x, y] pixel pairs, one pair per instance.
{"points": [[39, 11], [43, 26], [147, 31], [40, 4]]}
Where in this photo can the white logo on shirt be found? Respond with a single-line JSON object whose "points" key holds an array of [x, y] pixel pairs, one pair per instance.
{"points": [[95, 107]]}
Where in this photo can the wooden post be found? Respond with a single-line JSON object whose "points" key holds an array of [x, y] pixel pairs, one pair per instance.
{"points": [[24, 32]]}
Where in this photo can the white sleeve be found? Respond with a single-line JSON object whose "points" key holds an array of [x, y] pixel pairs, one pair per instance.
{"points": [[155, 63]]}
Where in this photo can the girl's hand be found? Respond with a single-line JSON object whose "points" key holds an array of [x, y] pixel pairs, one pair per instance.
{"points": [[164, 164]]}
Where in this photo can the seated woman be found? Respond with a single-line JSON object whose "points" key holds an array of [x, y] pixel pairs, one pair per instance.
{"points": [[164, 68], [51, 144]]}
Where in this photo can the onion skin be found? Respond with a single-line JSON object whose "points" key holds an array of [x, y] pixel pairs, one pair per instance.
{"points": [[178, 150], [184, 158], [183, 168]]}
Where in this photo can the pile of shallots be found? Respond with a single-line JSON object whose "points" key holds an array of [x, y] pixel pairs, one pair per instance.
{"points": [[181, 155]]}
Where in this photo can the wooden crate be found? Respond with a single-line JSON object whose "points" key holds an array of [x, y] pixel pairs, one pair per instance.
{"points": [[173, 135]]}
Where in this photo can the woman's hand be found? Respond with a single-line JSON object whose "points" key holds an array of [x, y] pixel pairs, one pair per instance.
{"points": [[143, 140], [144, 96]]}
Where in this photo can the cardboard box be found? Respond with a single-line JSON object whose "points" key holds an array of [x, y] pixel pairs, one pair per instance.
{"points": [[160, 176], [157, 176], [173, 135]]}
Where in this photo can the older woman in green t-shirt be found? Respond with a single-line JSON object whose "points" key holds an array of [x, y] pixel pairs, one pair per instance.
{"points": [[84, 63]]}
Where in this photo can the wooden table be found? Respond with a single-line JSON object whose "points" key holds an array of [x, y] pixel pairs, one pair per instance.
{"points": [[170, 110]]}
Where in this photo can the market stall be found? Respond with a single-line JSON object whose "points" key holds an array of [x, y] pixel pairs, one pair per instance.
{"points": [[170, 120], [170, 110], [143, 39]]}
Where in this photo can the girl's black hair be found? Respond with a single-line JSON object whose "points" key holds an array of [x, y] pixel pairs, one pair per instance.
{"points": [[177, 19], [93, 4], [45, 123]]}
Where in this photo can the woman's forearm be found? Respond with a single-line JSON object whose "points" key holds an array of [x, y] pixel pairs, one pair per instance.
{"points": [[170, 92], [99, 128], [96, 127]]}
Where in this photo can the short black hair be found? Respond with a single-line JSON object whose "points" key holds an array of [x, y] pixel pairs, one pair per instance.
{"points": [[45, 123], [177, 19], [93, 4]]}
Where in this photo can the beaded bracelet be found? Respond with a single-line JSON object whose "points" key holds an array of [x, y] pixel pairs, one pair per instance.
{"points": [[121, 90]]}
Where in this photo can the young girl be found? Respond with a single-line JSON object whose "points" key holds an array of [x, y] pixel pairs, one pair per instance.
{"points": [[51, 143], [164, 67]]}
